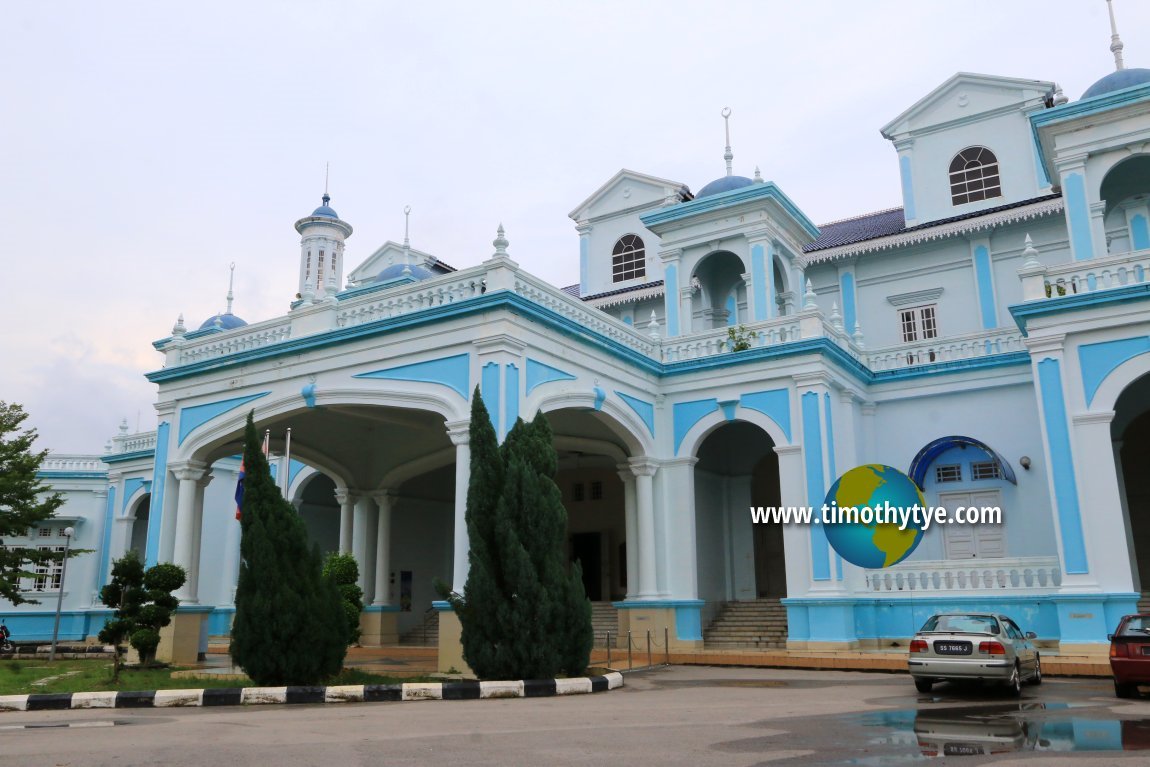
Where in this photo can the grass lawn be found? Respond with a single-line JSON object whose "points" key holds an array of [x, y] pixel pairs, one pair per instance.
{"points": [[17, 676]]}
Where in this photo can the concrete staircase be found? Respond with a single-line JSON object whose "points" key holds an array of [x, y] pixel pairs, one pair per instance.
{"points": [[604, 618], [761, 623], [425, 634]]}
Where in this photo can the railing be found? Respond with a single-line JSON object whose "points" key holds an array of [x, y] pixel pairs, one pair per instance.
{"points": [[1014, 574], [63, 462], [706, 343], [1096, 274], [944, 350], [133, 443], [539, 292], [411, 297], [230, 342]]}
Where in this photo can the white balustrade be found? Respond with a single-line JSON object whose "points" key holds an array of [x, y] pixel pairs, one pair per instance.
{"points": [[64, 462], [134, 443], [1098, 274], [233, 341], [974, 575], [707, 343], [411, 297], [947, 349]]}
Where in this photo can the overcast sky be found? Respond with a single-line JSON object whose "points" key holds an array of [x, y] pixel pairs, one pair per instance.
{"points": [[145, 146]]}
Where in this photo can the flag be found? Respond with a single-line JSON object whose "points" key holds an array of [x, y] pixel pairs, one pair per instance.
{"points": [[240, 490]]}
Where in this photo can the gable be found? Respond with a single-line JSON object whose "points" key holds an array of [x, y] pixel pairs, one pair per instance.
{"points": [[967, 97], [629, 191], [387, 254]]}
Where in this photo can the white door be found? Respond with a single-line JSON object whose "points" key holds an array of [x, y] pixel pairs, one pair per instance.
{"points": [[968, 541]]}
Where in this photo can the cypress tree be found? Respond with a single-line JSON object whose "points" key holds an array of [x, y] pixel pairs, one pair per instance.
{"points": [[289, 626]]}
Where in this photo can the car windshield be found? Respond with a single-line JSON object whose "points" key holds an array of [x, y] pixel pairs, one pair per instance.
{"points": [[961, 624], [1136, 626]]}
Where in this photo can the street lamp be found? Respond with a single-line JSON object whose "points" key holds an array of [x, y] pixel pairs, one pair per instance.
{"points": [[68, 533]]}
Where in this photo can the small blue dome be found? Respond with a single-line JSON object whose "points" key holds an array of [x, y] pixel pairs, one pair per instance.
{"points": [[1116, 81], [724, 184], [395, 271], [228, 321], [325, 210]]}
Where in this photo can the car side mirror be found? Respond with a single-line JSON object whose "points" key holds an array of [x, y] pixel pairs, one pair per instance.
{"points": [[1031, 635], [1110, 637]]}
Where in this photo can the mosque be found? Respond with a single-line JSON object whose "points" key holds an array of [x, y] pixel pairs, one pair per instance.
{"points": [[990, 338]]}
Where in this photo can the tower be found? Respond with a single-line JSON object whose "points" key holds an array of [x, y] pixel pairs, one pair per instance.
{"points": [[321, 253]]}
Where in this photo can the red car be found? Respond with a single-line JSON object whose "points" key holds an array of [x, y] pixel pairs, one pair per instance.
{"points": [[1130, 655]]}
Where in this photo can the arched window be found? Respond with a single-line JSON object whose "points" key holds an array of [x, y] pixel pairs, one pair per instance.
{"points": [[628, 259], [974, 176]]}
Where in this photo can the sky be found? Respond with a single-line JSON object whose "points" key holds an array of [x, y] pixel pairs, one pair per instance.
{"points": [[146, 146]]}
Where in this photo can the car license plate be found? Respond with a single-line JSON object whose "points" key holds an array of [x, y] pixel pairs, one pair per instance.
{"points": [[961, 749], [952, 648]]}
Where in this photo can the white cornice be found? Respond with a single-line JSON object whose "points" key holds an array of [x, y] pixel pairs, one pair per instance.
{"points": [[942, 231], [916, 297]]}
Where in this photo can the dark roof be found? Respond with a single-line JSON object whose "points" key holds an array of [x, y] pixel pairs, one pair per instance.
{"points": [[887, 222], [571, 290], [616, 292]]}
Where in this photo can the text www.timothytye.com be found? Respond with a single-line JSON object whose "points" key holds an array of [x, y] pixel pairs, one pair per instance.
{"points": [[903, 516]]}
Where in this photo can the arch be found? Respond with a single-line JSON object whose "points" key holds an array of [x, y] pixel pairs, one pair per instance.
{"points": [[208, 443], [693, 439], [1103, 165], [412, 469], [935, 448], [305, 478], [974, 176], [628, 258], [129, 504], [620, 420], [1111, 388]]}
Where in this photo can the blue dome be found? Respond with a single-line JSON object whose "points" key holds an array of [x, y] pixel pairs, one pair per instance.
{"points": [[1116, 81], [395, 271], [325, 210], [724, 184], [228, 321]]}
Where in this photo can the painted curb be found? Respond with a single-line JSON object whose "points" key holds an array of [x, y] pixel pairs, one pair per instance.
{"points": [[353, 693]]}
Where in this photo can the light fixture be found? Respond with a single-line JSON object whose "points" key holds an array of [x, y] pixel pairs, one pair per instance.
{"points": [[1024, 461], [68, 533]]}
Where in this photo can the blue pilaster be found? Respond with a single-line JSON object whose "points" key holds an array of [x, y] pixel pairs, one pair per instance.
{"points": [[763, 282], [984, 277], [489, 389], [847, 288], [1062, 467], [510, 397], [159, 485], [106, 538], [816, 483], [671, 298], [1078, 216]]}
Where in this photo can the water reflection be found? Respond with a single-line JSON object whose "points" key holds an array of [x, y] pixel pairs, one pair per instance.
{"points": [[1005, 728]]}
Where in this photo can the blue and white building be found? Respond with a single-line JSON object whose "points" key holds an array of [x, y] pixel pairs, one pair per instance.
{"points": [[991, 337]]}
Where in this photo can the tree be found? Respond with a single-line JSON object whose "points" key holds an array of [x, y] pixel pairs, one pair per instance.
{"points": [[344, 571], [24, 501], [289, 626], [522, 613], [144, 604]]}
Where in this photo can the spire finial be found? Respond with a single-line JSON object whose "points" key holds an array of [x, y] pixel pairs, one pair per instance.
{"points": [[727, 155], [1115, 40], [231, 282], [326, 176], [406, 222], [500, 242]]}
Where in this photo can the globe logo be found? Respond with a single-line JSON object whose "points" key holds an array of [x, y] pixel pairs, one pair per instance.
{"points": [[874, 540]]}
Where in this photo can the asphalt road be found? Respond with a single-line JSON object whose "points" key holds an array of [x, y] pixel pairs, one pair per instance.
{"points": [[675, 716]]}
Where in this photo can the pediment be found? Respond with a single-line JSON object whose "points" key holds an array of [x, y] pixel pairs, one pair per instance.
{"points": [[965, 97], [628, 190], [385, 255]]}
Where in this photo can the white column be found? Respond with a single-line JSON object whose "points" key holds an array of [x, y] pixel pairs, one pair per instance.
{"points": [[197, 536], [346, 516], [677, 517], [632, 528], [1099, 495], [360, 542], [796, 538], [460, 434], [686, 293], [188, 477], [644, 470], [384, 501], [749, 291]]}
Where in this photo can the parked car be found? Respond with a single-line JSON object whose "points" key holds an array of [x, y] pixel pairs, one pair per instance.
{"points": [[1130, 654], [976, 646]]}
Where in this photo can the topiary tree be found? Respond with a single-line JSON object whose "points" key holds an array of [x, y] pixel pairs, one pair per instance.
{"points": [[143, 604], [290, 627], [343, 570], [523, 614]]}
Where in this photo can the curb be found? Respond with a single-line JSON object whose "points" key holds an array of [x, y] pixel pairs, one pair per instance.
{"points": [[355, 693]]}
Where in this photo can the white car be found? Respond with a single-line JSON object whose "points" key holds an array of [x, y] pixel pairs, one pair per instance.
{"points": [[977, 646]]}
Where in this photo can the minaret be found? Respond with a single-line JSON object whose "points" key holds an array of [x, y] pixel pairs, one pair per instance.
{"points": [[1115, 40], [728, 155], [321, 252]]}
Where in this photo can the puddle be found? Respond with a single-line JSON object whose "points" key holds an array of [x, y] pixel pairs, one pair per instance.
{"points": [[1000, 729]]}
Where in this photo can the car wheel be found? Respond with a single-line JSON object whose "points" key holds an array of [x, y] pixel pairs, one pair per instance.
{"points": [[1036, 679], [923, 685], [1014, 686], [1124, 690]]}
